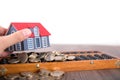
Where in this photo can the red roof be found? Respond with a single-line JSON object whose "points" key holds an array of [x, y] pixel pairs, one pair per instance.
{"points": [[42, 30]]}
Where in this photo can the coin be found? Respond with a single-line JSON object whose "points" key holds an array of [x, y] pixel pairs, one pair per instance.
{"points": [[12, 61], [57, 74], [12, 76], [59, 58], [49, 57], [4, 61], [46, 78], [21, 78], [23, 57], [12, 56], [56, 53], [42, 55], [44, 72], [70, 57], [27, 74], [33, 55], [34, 60], [36, 77]]}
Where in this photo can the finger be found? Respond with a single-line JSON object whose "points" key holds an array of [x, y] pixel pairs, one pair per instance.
{"points": [[2, 31], [4, 54], [14, 38]]}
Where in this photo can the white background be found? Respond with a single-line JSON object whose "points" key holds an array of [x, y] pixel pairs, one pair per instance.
{"points": [[69, 21]]}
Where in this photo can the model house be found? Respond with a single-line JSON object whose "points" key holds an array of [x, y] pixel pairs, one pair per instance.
{"points": [[38, 39]]}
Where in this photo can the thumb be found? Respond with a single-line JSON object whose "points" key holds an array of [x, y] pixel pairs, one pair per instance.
{"points": [[14, 38]]}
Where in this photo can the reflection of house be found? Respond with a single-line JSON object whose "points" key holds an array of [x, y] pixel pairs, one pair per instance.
{"points": [[38, 39]]}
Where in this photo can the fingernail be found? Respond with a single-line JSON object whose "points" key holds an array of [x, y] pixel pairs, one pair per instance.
{"points": [[26, 32]]}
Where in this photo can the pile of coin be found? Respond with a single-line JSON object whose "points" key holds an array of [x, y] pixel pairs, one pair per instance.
{"points": [[43, 74], [57, 56], [49, 57], [53, 56], [33, 57]]}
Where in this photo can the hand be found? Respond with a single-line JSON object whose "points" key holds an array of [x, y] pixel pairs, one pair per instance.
{"points": [[8, 40]]}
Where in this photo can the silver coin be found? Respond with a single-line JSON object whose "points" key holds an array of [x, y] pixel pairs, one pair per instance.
{"points": [[12, 61], [49, 57], [59, 58], [70, 57], [34, 60], [44, 72], [23, 57], [57, 74], [65, 56], [33, 55], [42, 55], [56, 53]]}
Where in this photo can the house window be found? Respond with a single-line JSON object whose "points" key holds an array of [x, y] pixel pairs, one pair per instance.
{"points": [[36, 31], [30, 43], [44, 42], [18, 46], [37, 42]]}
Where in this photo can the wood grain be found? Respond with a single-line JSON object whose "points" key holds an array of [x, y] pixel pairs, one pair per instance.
{"points": [[108, 74]]}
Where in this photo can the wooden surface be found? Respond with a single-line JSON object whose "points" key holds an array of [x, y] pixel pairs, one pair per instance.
{"points": [[111, 74]]}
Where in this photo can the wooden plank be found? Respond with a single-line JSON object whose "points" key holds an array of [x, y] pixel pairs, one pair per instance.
{"points": [[64, 66]]}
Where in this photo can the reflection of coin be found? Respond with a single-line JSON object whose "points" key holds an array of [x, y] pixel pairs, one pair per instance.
{"points": [[44, 72], [57, 74], [21, 78], [2, 78], [27, 74], [36, 77], [46, 78], [23, 57], [12, 76], [13, 61]]}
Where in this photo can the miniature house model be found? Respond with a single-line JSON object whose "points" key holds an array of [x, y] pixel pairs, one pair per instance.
{"points": [[38, 39]]}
